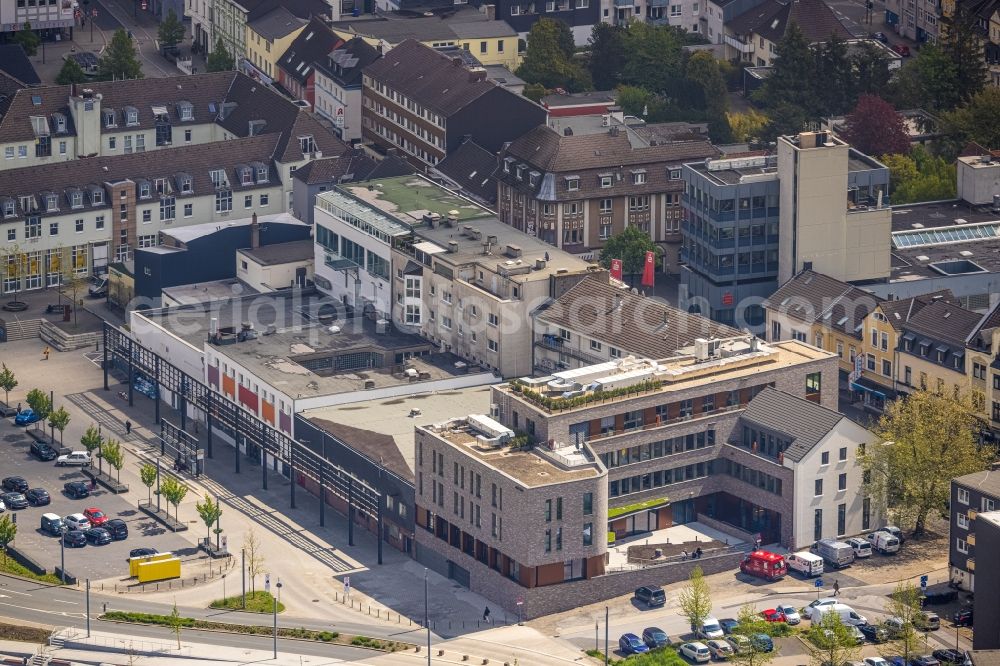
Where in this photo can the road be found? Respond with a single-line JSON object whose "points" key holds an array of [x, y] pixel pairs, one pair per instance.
{"points": [[29, 601]]}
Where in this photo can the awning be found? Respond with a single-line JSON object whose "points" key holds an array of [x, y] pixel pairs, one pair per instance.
{"points": [[855, 386]]}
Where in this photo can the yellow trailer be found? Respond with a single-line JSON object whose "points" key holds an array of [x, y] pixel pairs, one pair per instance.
{"points": [[134, 562], [159, 570]]}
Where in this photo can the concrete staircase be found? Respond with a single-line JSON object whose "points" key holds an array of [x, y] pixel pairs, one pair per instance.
{"points": [[22, 329]]}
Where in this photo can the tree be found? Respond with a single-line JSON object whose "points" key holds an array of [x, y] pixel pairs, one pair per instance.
{"points": [[747, 126], [704, 70], [962, 43], [976, 121], [91, 440], [173, 491], [784, 118], [926, 82], [564, 37], [254, 558], [171, 31], [220, 60], [120, 59], [546, 61], [904, 606], [147, 474], [111, 450], [607, 55], [175, 621], [920, 176], [750, 623], [654, 57], [695, 600], [535, 92], [831, 641], [59, 419], [8, 530], [929, 439], [8, 382], [210, 512], [793, 70], [28, 39], [836, 72], [875, 128], [871, 70], [633, 100], [631, 247], [71, 72], [40, 404]]}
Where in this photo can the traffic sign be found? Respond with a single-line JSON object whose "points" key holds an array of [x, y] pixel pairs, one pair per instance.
{"points": [[267, 582], [923, 582], [819, 582]]}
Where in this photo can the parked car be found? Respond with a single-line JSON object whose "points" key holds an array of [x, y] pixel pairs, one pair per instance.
{"points": [[79, 458], [98, 536], [902, 49], [762, 642], [631, 644], [811, 610], [43, 451], [927, 621], [655, 638], [98, 286], [952, 657], [940, 595], [791, 614], [76, 489], [77, 521], [3, 507], [95, 516], [963, 616], [51, 524], [14, 500], [862, 547], [75, 539], [773, 615], [38, 497], [697, 652], [142, 552], [847, 614], [859, 636], [875, 661], [739, 643], [117, 528], [806, 563], [884, 542], [15, 484], [880, 36], [720, 649], [710, 628], [728, 625], [651, 596], [27, 417], [924, 660], [874, 633]]}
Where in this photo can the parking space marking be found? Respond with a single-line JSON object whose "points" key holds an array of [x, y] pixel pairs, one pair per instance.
{"points": [[62, 601], [43, 610], [23, 594]]}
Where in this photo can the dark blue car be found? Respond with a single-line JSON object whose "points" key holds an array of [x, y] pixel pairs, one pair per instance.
{"points": [[762, 642], [728, 625], [655, 638], [26, 417], [631, 644]]}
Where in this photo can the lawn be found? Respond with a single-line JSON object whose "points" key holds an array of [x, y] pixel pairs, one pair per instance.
{"points": [[663, 657], [257, 602], [638, 506], [7, 565]]}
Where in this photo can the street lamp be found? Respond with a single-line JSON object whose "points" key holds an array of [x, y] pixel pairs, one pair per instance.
{"points": [[427, 622], [224, 587], [62, 552], [275, 605]]}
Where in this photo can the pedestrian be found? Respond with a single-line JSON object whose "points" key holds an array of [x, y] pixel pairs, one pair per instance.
{"points": [[836, 588], [684, 554], [698, 552], [93, 483], [486, 614], [128, 428], [46, 353], [18, 408]]}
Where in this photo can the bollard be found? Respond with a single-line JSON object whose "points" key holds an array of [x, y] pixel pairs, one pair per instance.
{"points": [[440, 653], [418, 649], [465, 657]]}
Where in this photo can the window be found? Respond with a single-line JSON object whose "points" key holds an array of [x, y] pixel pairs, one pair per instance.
{"points": [[638, 177], [887, 367], [79, 226], [818, 491], [841, 519], [223, 201], [963, 496], [885, 341], [147, 216], [962, 520], [53, 228], [492, 345], [187, 136], [988, 504], [492, 319], [572, 184], [188, 210], [33, 227], [595, 345], [825, 458], [606, 206], [265, 199], [813, 383], [248, 201], [8, 152], [962, 546], [99, 222], [615, 352], [588, 504], [12, 234], [842, 482], [606, 181], [818, 524], [168, 208]]}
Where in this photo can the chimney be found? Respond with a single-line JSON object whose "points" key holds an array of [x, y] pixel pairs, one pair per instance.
{"points": [[477, 75], [613, 130], [254, 233], [491, 12]]}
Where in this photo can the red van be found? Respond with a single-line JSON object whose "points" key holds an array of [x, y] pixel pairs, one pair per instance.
{"points": [[764, 564]]}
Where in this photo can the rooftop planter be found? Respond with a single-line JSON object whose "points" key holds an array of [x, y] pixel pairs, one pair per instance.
{"points": [[620, 511], [556, 404]]}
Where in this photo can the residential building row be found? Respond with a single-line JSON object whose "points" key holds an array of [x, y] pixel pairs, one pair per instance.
{"points": [[972, 496]]}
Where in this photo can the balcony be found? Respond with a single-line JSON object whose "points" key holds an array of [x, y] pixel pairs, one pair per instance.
{"points": [[738, 44], [971, 539], [555, 344], [665, 423], [971, 514], [970, 564]]}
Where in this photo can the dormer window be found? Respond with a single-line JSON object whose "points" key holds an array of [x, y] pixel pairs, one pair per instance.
{"points": [[307, 144], [59, 120], [51, 202], [675, 174], [9, 208], [145, 190], [76, 199], [533, 178], [572, 183], [639, 177], [96, 196], [218, 177], [131, 116], [161, 185], [520, 172], [27, 203], [606, 180], [262, 175], [109, 118], [185, 110], [246, 175], [184, 181]]}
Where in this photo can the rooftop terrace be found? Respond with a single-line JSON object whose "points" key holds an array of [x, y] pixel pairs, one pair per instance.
{"points": [[409, 198]]}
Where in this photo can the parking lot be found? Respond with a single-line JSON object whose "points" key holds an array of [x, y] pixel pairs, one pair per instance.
{"points": [[93, 562]]}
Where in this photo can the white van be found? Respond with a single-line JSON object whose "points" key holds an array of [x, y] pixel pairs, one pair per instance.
{"points": [[862, 548], [806, 563], [848, 616], [884, 542]]}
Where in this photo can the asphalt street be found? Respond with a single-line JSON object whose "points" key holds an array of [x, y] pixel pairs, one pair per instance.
{"points": [[29, 601]]}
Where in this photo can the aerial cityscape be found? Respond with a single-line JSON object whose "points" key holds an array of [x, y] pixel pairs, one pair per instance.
{"points": [[525, 333]]}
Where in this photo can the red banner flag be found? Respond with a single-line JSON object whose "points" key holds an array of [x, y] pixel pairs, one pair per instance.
{"points": [[648, 270], [616, 269]]}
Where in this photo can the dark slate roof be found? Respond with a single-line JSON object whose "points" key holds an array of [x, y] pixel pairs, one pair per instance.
{"points": [[646, 327], [944, 322], [196, 161], [314, 43], [373, 445], [987, 482], [344, 63], [281, 253], [14, 61], [430, 78], [806, 422], [473, 168], [899, 312], [351, 167], [277, 23], [448, 25], [772, 18], [813, 297]]}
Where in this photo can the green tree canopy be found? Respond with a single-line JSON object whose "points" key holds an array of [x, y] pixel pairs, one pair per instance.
{"points": [[831, 641], [535, 91], [653, 57], [220, 60], [147, 474], [607, 55], [929, 81], [705, 71], [59, 419], [8, 382], [120, 59], [695, 599], [924, 441], [71, 72], [793, 70], [111, 450], [28, 39], [8, 530], [905, 605], [210, 511], [40, 403], [171, 31], [546, 61], [962, 43], [750, 623], [834, 80], [631, 247], [977, 121], [920, 176]]}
